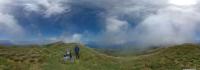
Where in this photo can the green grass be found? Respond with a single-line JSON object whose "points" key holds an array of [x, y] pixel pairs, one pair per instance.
{"points": [[49, 57]]}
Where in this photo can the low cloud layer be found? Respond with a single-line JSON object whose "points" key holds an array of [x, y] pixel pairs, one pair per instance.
{"points": [[170, 25], [162, 23]]}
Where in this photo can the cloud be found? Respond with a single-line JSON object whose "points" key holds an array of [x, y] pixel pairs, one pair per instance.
{"points": [[115, 32], [8, 24], [31, 7], [171, 25], [149, 22], [114, 25], [75, 38], [133, 8], [47, 7], [161, 23]]}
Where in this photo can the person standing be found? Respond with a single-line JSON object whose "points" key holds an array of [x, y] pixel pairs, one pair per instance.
{"points": [[68, 55], [77, 52]]}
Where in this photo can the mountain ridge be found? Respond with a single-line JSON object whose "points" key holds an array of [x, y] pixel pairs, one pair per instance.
{"points": [[49, 57]]}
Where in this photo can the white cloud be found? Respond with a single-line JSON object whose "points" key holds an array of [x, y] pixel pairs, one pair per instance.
{"points": [[54, 10], [8, 24], [171, 25], [75, 38], [115, 32], [47, 7], [161, 23], [114, 25], [31, 7]]}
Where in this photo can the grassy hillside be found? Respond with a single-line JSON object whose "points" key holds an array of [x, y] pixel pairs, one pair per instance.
{"points": [[178, 57], [49, 57], [126, 51]]}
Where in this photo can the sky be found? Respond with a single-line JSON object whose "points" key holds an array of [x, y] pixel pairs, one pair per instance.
{"points": [[100, 22]]}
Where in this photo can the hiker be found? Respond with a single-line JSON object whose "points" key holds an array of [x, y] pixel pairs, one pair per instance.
{"points": [[68, 56], [77, 49]]}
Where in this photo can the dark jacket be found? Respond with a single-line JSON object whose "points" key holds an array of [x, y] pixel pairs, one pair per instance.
{"points": [[76, 49]]}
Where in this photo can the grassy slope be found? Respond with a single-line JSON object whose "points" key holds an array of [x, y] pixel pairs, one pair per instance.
{"points": [[178, 57], [50, 57]]}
